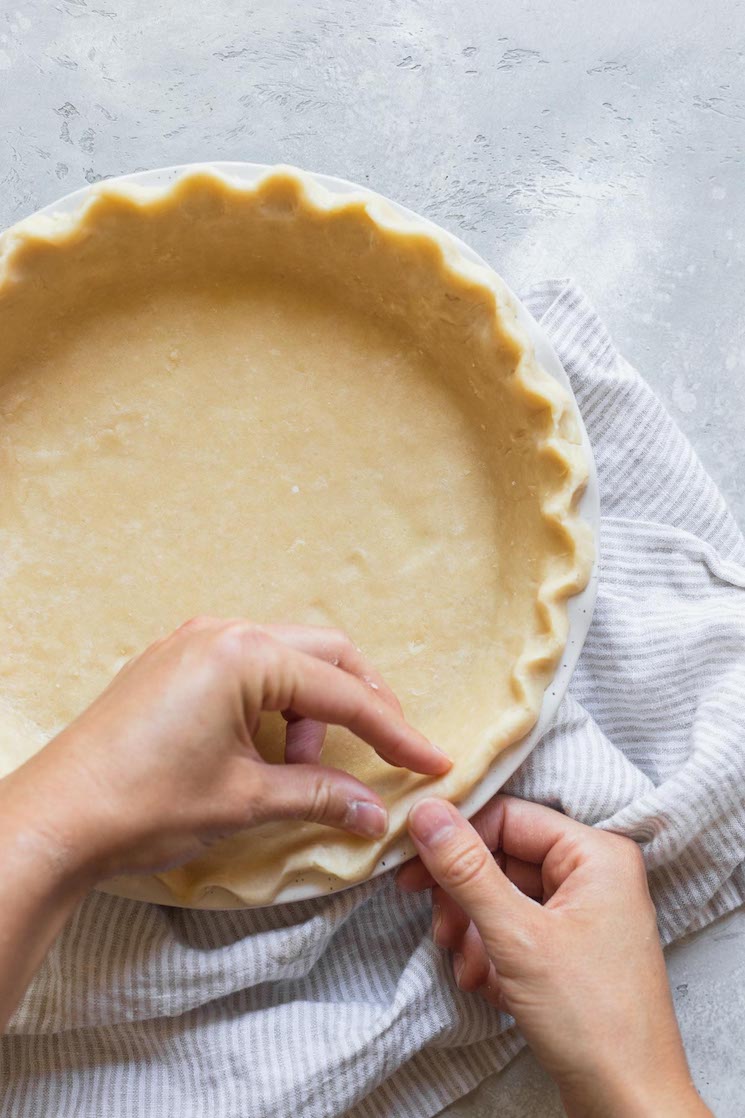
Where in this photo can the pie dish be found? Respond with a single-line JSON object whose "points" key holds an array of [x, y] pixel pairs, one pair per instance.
{"points": [[274, 401]]}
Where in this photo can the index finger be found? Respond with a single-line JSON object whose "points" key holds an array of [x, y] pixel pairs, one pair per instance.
{"points": [[337, 649], [305, 737], [314, 689]]}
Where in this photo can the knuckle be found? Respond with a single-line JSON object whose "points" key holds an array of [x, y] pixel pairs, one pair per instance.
{"points": [[625, 858], [237, 639], [200, 621], [251, 793], [225, 648], [319, 803], [634, 855], [626, 851], [464, 864], [576, 849], [636, 868]]}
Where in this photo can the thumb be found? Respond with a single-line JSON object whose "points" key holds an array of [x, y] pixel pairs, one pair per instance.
{"points": [[459, 861], [317, 794]]}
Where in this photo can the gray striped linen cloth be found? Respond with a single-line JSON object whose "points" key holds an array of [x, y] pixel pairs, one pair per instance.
{"points": [[343, 1005]]}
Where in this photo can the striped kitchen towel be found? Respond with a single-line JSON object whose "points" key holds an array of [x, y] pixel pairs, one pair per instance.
{"points": [[343, 1006]]}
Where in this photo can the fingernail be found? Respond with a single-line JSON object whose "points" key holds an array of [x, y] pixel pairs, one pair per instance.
{"points": [[366, 819], [458, 964], [430, 821], [436, 922]]}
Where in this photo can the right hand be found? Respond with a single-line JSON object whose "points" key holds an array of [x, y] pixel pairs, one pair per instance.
{"points": [[163, 762], [558, 929]]}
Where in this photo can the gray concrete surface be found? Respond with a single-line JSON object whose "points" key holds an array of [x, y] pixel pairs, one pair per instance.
{"points": [[581, 137]]}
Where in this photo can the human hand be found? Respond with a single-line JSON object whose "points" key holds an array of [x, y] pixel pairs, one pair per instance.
{"points": [[558, 929], [163, 762]]}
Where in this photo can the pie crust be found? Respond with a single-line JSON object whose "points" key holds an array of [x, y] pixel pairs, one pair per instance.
{"points": [[277, 402]]}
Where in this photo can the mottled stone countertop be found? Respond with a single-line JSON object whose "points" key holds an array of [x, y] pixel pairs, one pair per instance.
{"points": [[593, 139]]}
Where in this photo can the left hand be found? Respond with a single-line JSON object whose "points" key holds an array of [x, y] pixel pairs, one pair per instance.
{"points": [[164, 763]]}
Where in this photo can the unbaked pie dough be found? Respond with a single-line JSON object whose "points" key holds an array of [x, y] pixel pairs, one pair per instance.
{"points": [[275, 402]]}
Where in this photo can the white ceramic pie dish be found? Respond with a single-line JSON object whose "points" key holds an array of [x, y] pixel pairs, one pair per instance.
{"points": [[579, 607]]}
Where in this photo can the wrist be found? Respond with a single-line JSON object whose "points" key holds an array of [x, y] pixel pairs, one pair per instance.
{"points": [[48, 823], [47, 871], [664, 1095]]}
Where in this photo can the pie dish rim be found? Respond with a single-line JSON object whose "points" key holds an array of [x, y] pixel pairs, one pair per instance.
{"points": [[579, 606]]}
